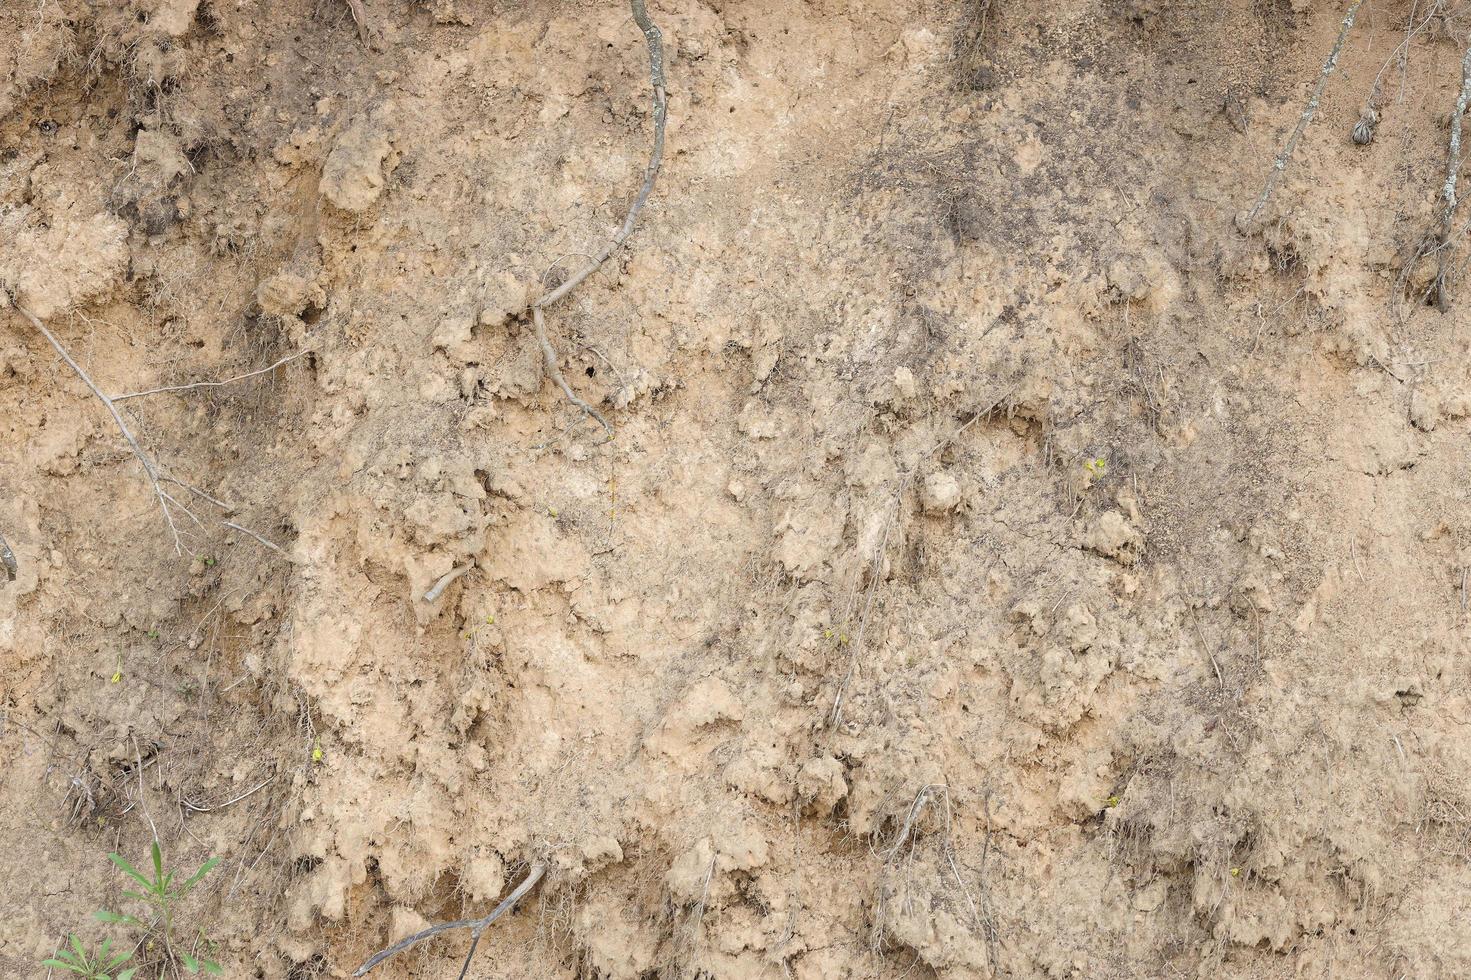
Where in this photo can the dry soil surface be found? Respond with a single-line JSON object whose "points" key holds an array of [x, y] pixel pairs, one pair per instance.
{"points": [[1007, 563]]}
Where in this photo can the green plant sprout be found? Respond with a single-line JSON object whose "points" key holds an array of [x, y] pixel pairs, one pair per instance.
{"points": [[97, 965], [1098, 467], [162, 896]]}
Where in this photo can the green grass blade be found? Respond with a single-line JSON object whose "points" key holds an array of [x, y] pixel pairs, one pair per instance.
{"points": [[157, 863], [128, 973], [212, 968], [194, 879], [190, 963], [104, 915], [60, 965], [131, 871]]}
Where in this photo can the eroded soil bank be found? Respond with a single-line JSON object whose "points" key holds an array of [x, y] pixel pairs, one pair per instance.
{"points": [[1004, 565]]}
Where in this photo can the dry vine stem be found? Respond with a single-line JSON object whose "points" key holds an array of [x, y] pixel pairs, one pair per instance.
{"points": [[476, 926], [1280, 164], [661, 105]]}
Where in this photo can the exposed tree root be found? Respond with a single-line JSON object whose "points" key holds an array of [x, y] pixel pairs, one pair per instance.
{"points": [[661, 105]]}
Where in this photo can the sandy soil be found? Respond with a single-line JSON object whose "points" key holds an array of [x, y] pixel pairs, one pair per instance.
{"points": [[1004, 565]]}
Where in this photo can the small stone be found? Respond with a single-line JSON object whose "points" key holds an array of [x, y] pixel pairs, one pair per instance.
{"points": [[904, 383], [353, 176], [1114, 537], [1424, 411], [939, 493], [284, 294], [820, 783]]}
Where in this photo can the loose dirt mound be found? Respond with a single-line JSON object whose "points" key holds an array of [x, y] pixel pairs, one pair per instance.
{"points": [[1004, 566]]}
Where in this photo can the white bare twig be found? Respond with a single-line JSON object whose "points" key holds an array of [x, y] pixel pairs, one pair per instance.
{"points": [[210, 384], [445, 580], [1452, 174], [1363, 131], [247, 531], [202, 808]]}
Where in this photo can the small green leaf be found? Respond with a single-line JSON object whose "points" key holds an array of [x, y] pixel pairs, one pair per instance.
{"points": [[60, 965], [212, 968], [131, 871], [103, 915], [128, 973], [157, 862], [204, 869], [190, 963]]}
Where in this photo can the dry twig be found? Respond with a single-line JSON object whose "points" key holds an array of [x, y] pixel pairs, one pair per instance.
{"points": [[447, 578], [1363, 130], [247, 531], [476, 926], [156, 477], [150, 468], [661, 104], [1310, 110], [209, 384], [360, 18]]}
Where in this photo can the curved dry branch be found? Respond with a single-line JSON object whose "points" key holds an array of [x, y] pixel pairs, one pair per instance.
{"points": [[655, 41], [476, 926]]}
